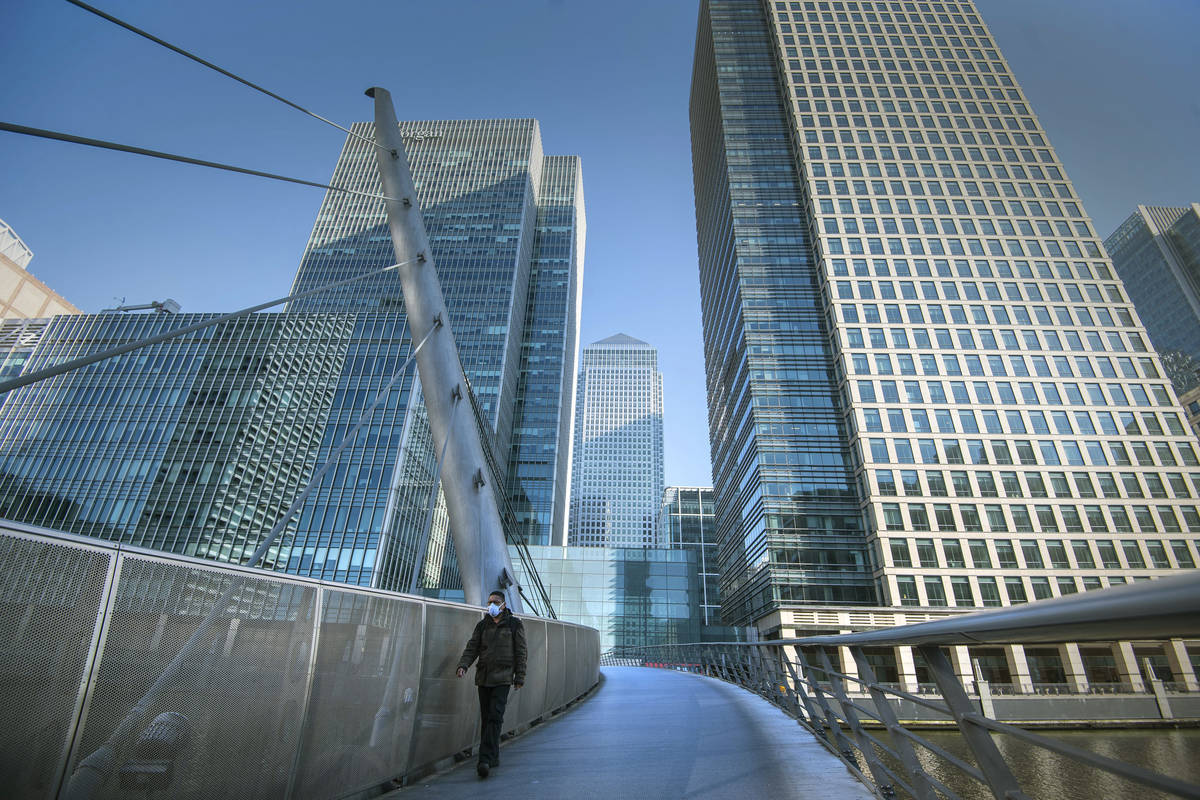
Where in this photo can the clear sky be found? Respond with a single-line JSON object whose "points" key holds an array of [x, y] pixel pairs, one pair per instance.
{"points": [[1112, 80]]}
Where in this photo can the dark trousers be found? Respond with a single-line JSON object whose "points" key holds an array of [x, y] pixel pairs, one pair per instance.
{"points": [[492, 700]]}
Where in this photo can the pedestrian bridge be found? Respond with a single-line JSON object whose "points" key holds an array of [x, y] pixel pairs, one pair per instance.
{"points": [[647, 734], [132, 673]]}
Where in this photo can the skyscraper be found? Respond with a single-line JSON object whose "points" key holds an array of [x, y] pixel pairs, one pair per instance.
{"points": [[927, 387], [199, 444], [617, 464], [1156, 252], [687, 521]]}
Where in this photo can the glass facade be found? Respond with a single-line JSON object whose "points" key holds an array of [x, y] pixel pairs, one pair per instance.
{"points": [[788, 508], [687, 521], [1011, 434], [198, 445], [539, 459], [617, 459], [635, 596], [1156, 253]]}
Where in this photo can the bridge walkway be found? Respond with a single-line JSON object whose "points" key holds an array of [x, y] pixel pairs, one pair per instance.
{"points": [[653, 734]]}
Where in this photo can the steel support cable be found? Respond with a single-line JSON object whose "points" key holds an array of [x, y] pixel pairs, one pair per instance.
{"points": [[215, 68], [142, 151], [93, 770], [83, 361]]}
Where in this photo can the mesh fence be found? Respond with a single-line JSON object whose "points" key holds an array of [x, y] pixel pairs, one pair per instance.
{"points": [[190, 680]]}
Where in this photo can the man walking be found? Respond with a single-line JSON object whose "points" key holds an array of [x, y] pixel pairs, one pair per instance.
{"points": [[499, 643]]}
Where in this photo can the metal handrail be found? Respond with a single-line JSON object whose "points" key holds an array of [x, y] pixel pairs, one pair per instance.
{"points": [[1159, 609]]}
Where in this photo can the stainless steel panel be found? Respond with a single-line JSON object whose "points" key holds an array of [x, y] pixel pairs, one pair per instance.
{"points": [[239, 693], [363, 701], [269, 698], [556, 666], [447, 707], [533, 697], [50, 598]]}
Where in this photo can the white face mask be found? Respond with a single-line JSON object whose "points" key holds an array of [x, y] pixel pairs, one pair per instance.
{"points": [[493, 609]]}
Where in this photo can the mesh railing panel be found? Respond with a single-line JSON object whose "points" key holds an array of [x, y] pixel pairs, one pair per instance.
{"points": [[293, 688], [556, 667], [444, 723], [240, 691], [50, 601], [361, 709], [532, 699]]}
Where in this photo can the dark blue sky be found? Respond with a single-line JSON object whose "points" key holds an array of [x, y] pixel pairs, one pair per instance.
{"points": [[1113, 82]]}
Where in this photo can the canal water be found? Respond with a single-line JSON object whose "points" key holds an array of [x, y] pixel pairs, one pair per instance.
{"points": [[1047, 776]]}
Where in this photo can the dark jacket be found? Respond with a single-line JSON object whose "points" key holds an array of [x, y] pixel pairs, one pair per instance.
{"points": [[500, 648]]}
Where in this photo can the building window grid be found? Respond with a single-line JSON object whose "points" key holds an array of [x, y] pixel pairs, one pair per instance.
{"points": [[1088, 289]]}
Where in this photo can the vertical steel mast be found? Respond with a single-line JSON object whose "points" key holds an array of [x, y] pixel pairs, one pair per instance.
{"points": [[474, 515]]}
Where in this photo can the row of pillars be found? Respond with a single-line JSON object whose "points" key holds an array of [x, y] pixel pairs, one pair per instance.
{"points": [[1126, 661]]}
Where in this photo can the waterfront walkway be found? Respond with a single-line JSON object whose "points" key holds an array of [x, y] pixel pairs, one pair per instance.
{"points": [[654, 734]]}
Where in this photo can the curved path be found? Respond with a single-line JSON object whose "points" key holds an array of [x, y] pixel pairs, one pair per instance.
{"points": [[654, 734]]}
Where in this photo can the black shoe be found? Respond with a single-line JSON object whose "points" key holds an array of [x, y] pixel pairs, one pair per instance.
{"points": [[481, 769]]}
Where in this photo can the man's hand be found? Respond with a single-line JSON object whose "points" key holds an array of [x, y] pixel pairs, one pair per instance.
{"points": [[518, 686], [461, 672]]}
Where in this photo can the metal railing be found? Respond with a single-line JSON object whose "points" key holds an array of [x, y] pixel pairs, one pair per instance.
{"points": [[292, 687], [844, 711]]}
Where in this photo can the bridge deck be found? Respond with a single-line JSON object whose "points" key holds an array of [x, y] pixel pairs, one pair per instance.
{"points": [[648, 734]]}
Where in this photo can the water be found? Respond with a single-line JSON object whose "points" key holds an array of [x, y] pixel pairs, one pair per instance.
{"points": [[1044, 775]]}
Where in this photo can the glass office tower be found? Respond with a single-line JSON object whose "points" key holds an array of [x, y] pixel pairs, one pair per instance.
{"points": [[687, 521], [927, 386], [199, 444], [1156, 252], [617, 460]]}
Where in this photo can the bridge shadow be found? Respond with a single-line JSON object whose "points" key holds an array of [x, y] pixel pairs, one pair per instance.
{"points": [[653, 733]]}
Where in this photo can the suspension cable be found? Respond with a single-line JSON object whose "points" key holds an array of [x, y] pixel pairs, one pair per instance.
{"points": [[214, 67], [141, 151]]}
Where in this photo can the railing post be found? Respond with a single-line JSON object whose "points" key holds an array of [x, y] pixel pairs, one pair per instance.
{"points": [[887, 715], [835, 726], [741, 671], [773, 675], [810, 710], [999, 777], [766, 683], [882, 782], [788, 678]]}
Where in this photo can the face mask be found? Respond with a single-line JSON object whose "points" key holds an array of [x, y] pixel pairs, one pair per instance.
{"points": [[493, 609]]}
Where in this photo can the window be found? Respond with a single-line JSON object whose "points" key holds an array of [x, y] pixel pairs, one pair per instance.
{"points": [[1158, 554], [989, 592], [1032, 554], [952, 550], [935, 591], [1083, 554], [1005, 554], [901, 557], [980, 558], [1066, 586], [1108, 554], [1015, 589], [1133, 554], [1183, 556], [906, 585], [962, 591], [926, 554], [1058, 554], [1041, 588]]}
